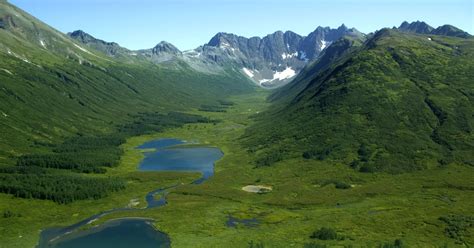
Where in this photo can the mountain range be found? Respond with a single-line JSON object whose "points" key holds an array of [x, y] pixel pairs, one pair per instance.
{"points": [[270, 62]]}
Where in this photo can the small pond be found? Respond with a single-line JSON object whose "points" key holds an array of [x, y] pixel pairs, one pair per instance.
{"points": [[120, 233]]}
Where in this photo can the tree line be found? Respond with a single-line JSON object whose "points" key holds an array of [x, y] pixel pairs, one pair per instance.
{"points": [[60, 175]]}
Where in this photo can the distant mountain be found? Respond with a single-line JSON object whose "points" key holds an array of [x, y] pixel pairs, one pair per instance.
{"points": [[416, 27], [423, 28], [270, 61], [162, 52], [449, 30], [397, 102], [165, 47], [110, 48], [274, 59]]}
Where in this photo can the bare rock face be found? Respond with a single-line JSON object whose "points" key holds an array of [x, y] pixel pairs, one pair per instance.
{"points": [[274, 59]]}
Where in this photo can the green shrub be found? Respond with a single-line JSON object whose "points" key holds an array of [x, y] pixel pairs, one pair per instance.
{"points": [[367, 168], [9, 214], [314, 245], [457, 226], [253, 244], [269, 158], [338, 184], [325, 233], [398, 243], [342, 185]]}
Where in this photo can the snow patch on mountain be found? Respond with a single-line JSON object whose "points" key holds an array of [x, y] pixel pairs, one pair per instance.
{"points": [[248, 72], [324, 44], [289, 56], [280, 75], [225, 45], [87, 51], [7, 71], [83, 49], [286, 74], [42, 43], [18, 56], [264, 81], [303, 56], [192, 54]]}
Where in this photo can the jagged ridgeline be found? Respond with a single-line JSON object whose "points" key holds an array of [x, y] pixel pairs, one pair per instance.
{"points": [[398, 102]]}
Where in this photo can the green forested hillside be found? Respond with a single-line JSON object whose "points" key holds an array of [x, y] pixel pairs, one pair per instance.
{"points": [[52, 87], [65, 109], [400, 102]]}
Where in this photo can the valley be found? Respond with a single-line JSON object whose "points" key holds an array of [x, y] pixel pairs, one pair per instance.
{"points": [[334, 139], [306, 196]]}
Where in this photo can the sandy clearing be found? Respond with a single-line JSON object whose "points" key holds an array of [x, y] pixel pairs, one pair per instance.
{"points": [[259, 189]]}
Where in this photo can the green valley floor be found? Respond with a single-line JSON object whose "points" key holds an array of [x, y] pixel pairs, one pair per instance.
{"points": [[429, 208]]}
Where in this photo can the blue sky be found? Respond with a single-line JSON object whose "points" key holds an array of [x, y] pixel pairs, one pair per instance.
{"points": [[138, 24]]}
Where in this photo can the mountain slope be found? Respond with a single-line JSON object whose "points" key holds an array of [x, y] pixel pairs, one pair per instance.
{"points": [[398, 103], [53, 87], [449, 30], [329, 57]]}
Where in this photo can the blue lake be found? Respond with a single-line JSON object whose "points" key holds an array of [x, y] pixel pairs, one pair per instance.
{"points": [[167, 156], [121, 233]]}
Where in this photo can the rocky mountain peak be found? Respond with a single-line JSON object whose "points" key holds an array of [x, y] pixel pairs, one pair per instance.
{"points": [[82, 36], [222, 40], [449, 30], [86, 38], [165, 47], [343, 27], [419, 27]]}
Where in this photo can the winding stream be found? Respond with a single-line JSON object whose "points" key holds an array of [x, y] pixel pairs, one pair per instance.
{"points": [[136, 232]]}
